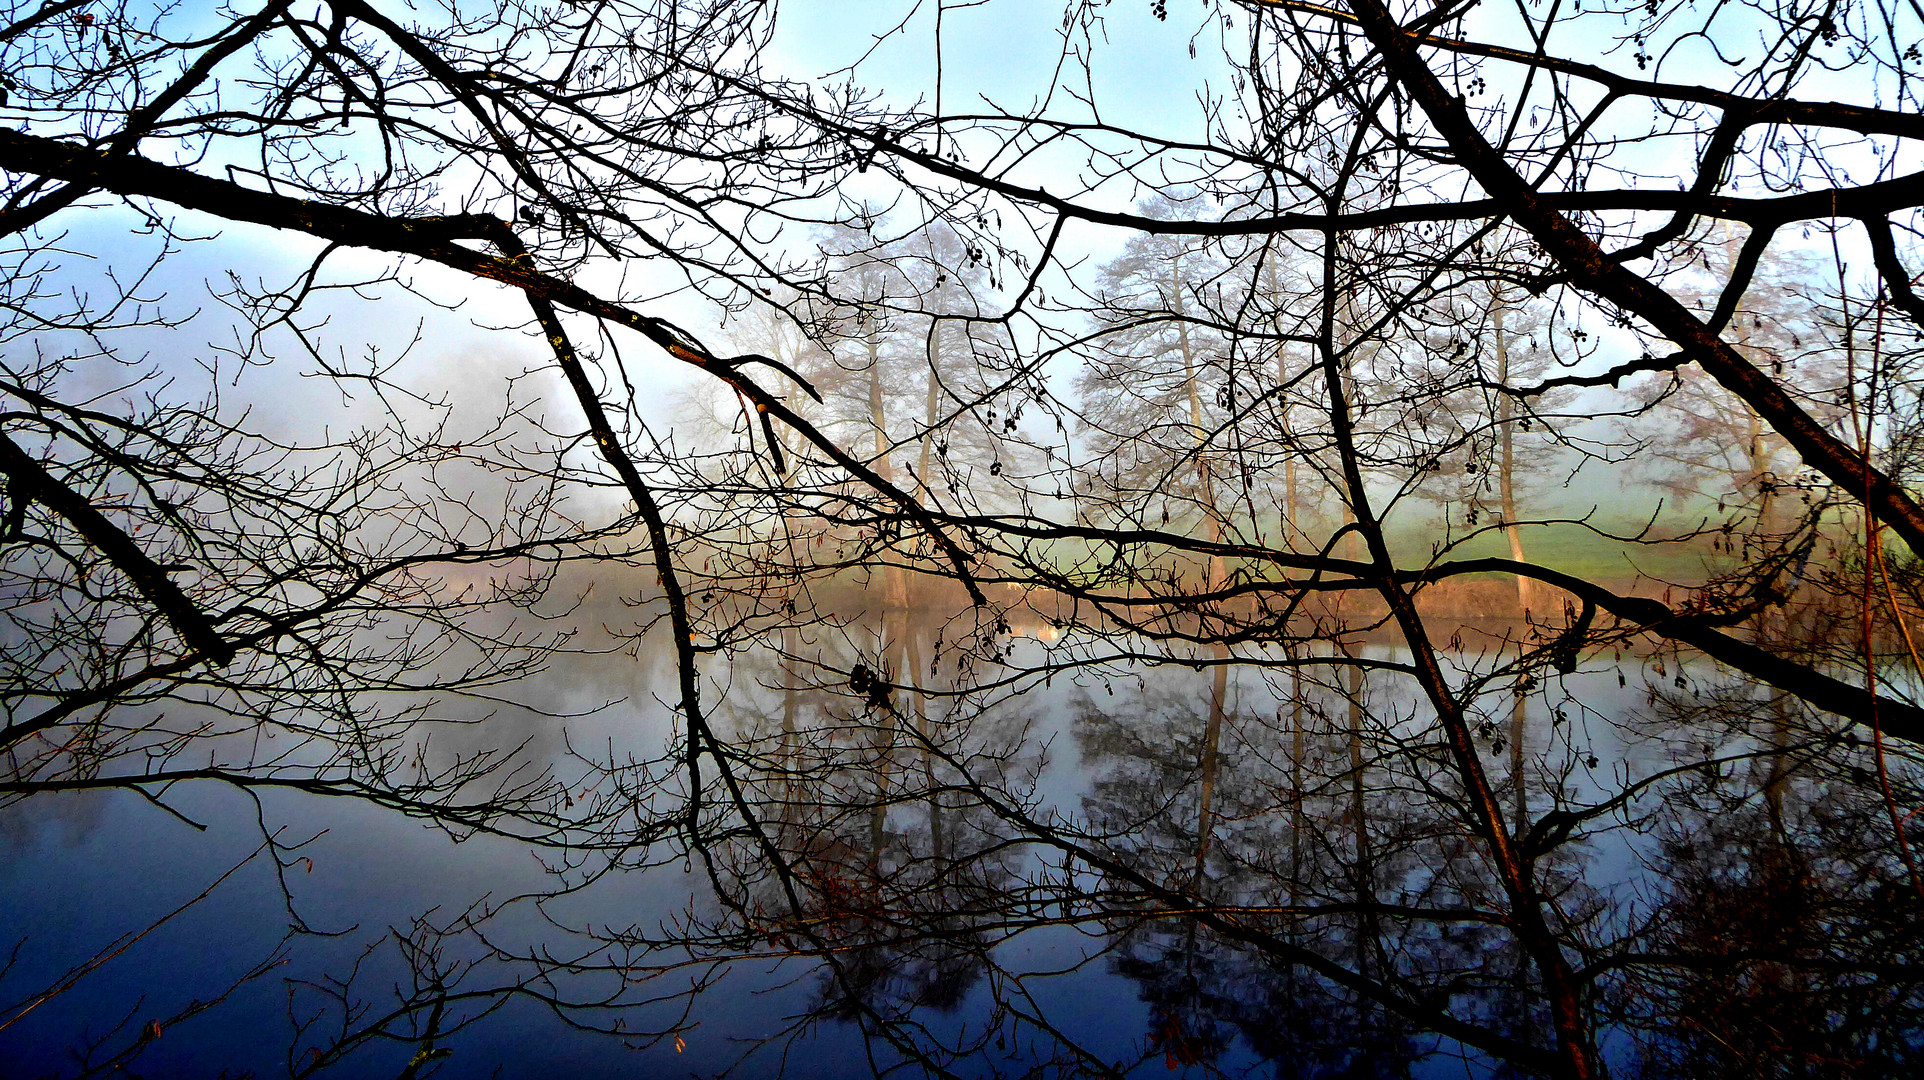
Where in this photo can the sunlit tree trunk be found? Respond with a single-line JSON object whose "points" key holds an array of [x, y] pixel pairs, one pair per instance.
{"points": [[1214, 577], [924, 485], [1506, 492], [1764, 625], [1199, 434], [894, 586], [929, 420], [1506, 458]]}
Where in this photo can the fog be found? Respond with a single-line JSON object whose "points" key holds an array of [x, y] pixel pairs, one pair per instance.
{"points": [[963, 541]]}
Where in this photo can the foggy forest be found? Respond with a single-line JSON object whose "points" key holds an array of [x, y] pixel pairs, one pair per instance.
{"points": [[961, 538]]}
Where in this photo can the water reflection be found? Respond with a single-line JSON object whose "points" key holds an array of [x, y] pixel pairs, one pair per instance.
{"points": [[935, 844]]}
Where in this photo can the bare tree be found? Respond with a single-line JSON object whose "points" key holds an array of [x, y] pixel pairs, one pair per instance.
{"points": [[1313, 280]]}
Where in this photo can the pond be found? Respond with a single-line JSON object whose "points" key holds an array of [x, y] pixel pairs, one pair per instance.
{"points": [[1057, 854]]}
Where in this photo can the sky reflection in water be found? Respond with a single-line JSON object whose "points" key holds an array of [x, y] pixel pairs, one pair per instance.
{"points": [[955, 937]]}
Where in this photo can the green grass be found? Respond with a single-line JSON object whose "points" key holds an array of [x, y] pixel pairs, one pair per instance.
{"points": [[1570, 549]]}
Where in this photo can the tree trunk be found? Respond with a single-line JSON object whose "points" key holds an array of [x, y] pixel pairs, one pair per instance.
{"points": [[1506, 460], [894, 585]]}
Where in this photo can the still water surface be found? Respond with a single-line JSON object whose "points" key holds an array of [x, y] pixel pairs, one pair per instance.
{"points": [[932, 847]]}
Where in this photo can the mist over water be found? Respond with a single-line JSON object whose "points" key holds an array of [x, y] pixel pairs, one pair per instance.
{"points": [[726, 538]]}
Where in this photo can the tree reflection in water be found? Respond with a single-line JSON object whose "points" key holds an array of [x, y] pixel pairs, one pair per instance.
{"points": [[1062, 635], [1783, 937], [1190, 866]]}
